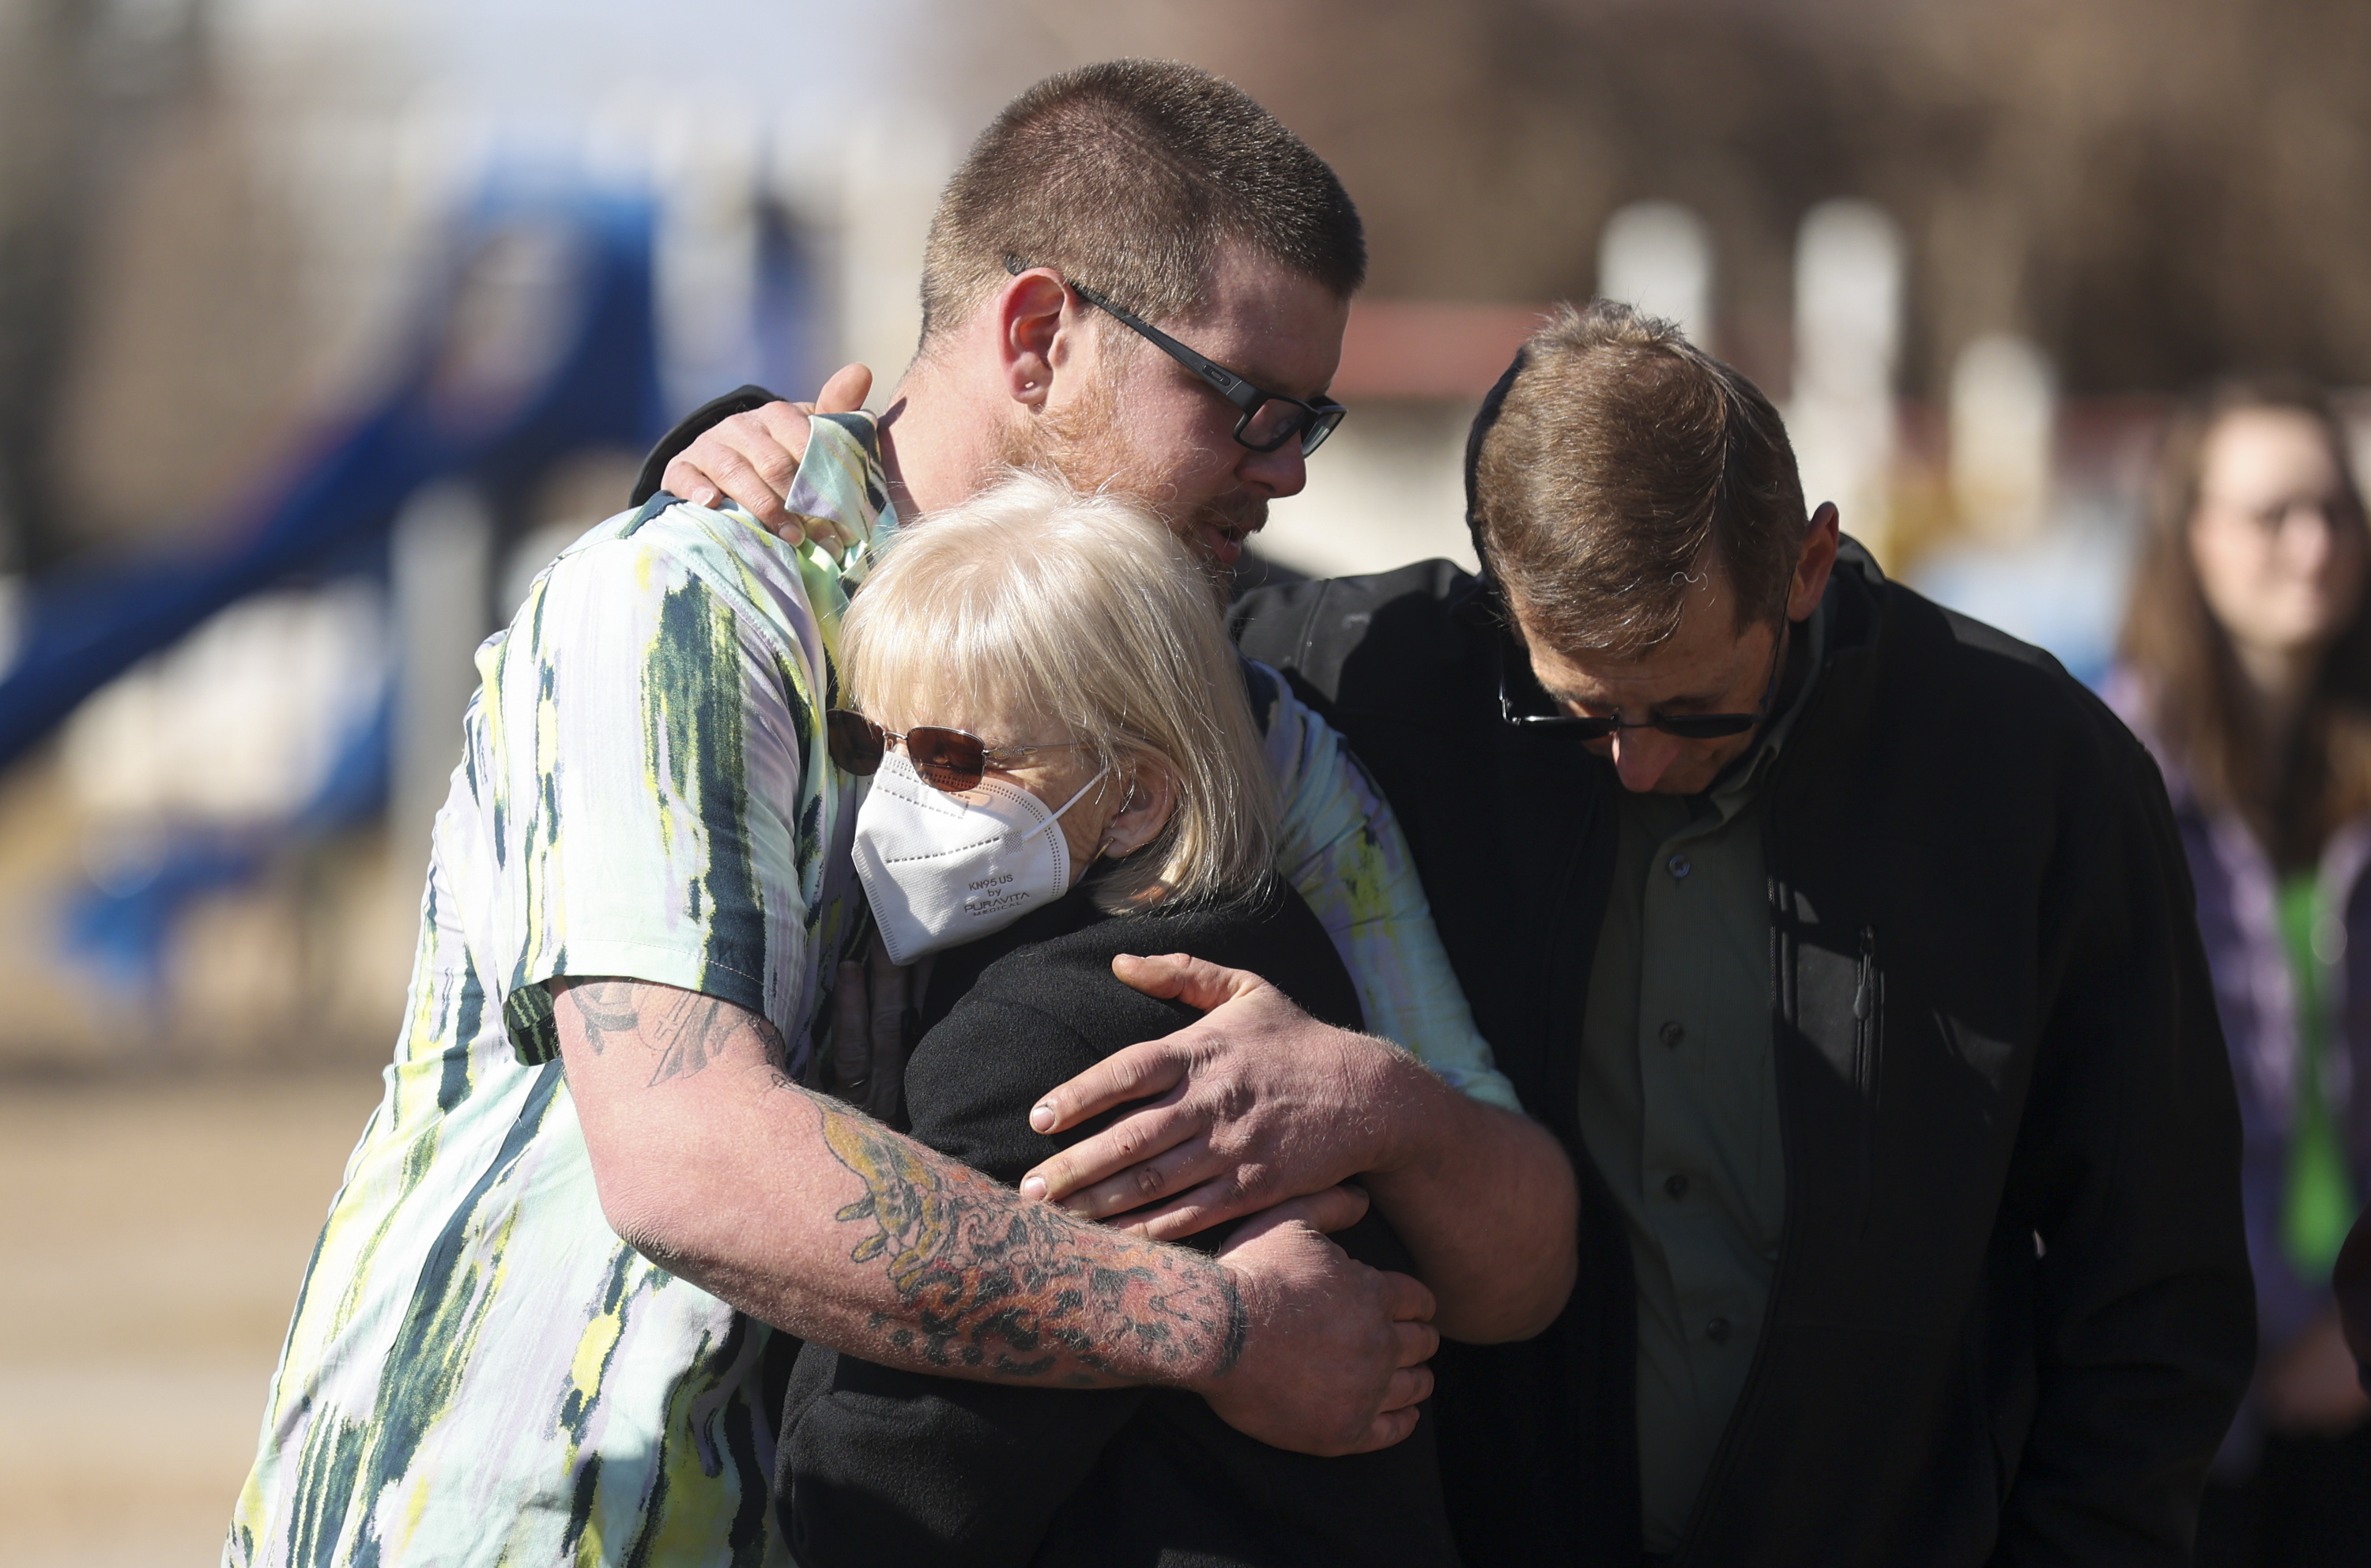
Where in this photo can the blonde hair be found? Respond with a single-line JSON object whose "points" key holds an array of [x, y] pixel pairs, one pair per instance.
{"points": [[1032, 600]]}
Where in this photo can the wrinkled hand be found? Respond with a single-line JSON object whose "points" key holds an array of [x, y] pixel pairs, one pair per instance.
{"points": [[1333, 1351], [752, 457], [1256, 1101]]}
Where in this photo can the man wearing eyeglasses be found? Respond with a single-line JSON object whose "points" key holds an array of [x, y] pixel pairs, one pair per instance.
{"points": [[535, 1327], [1027, 362], [1849, 946]]}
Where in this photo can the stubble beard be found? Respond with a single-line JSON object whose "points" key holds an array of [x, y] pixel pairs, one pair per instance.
{"points": [[1083, 445]]}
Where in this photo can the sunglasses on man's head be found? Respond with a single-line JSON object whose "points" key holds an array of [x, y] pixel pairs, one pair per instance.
{"points": [[948, 760], [1270, 419]]}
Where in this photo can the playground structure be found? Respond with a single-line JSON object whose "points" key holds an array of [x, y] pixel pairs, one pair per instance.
{"points": [[397, 536]]}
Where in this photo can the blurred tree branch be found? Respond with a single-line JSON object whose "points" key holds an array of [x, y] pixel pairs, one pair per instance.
{"points": [[2155, 189]]}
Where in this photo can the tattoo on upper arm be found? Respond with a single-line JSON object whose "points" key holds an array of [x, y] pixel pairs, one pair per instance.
{"points": [[607, 1008], [1017, 1288], [685, 1030], [689, 1032]]}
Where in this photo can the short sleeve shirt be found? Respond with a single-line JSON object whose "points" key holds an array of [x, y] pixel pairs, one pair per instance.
{"points": [[478, 1370]]}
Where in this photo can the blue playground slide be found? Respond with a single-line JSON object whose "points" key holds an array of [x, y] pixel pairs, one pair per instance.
{"points": [[329, 511], [85, 628]]}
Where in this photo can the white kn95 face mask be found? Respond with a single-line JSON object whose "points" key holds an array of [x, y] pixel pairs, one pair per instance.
{"points": [[941, 870]]}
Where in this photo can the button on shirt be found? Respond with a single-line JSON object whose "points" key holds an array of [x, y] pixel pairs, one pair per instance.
{"points": [[1679, 1106]]}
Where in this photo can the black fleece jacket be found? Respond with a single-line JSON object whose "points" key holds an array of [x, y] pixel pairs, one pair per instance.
{"points": [[2012, 1314], [882, 1467]]}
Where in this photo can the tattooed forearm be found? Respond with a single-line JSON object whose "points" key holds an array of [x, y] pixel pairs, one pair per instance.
{"points": [[925, 1265], [1017, 1288]]}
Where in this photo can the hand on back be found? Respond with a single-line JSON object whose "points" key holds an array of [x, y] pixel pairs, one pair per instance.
{"points": [[1254, 1104]]}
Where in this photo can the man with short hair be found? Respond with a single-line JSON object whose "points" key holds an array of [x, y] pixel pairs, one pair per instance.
{"points": [[1847, 944], [535, 1327]]}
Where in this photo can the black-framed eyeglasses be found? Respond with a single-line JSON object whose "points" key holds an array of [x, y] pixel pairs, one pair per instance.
{"points": [[1270, 419], [1686, 726], [947, 760]]}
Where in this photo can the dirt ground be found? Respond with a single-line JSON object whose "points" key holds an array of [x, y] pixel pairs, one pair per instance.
{"points": [[154, 1234]]}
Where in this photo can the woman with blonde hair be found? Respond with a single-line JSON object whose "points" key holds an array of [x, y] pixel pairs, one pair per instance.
{"points": [[2246, 667], [1064, 770]]}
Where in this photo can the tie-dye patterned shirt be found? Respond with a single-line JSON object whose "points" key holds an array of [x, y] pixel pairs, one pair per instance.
{"points": [[478, 1370]]}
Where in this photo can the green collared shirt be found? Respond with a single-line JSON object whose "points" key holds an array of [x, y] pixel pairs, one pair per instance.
{"points": [[1679, 1105]]}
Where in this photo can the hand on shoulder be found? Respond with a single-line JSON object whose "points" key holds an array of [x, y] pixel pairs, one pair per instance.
{"points": [[750, 459]]}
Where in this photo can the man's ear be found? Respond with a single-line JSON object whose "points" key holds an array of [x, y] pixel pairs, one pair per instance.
{"points": [[1030, 312], [1150, 796], [1812, 567]]}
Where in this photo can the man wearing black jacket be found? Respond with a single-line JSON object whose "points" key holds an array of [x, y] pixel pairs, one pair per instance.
{"points": [[1847, 945]]}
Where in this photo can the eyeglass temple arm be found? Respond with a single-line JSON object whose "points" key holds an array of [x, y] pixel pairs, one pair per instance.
{"points": [[1235, 389], [1046, 746]]}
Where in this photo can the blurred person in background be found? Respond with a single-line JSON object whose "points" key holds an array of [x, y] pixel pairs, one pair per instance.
{"points": [[1076, 639], [536, 1325], [2246, 667]]}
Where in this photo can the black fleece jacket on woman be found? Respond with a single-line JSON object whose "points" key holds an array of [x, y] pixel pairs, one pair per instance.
{"points": [[881, 1468]]}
